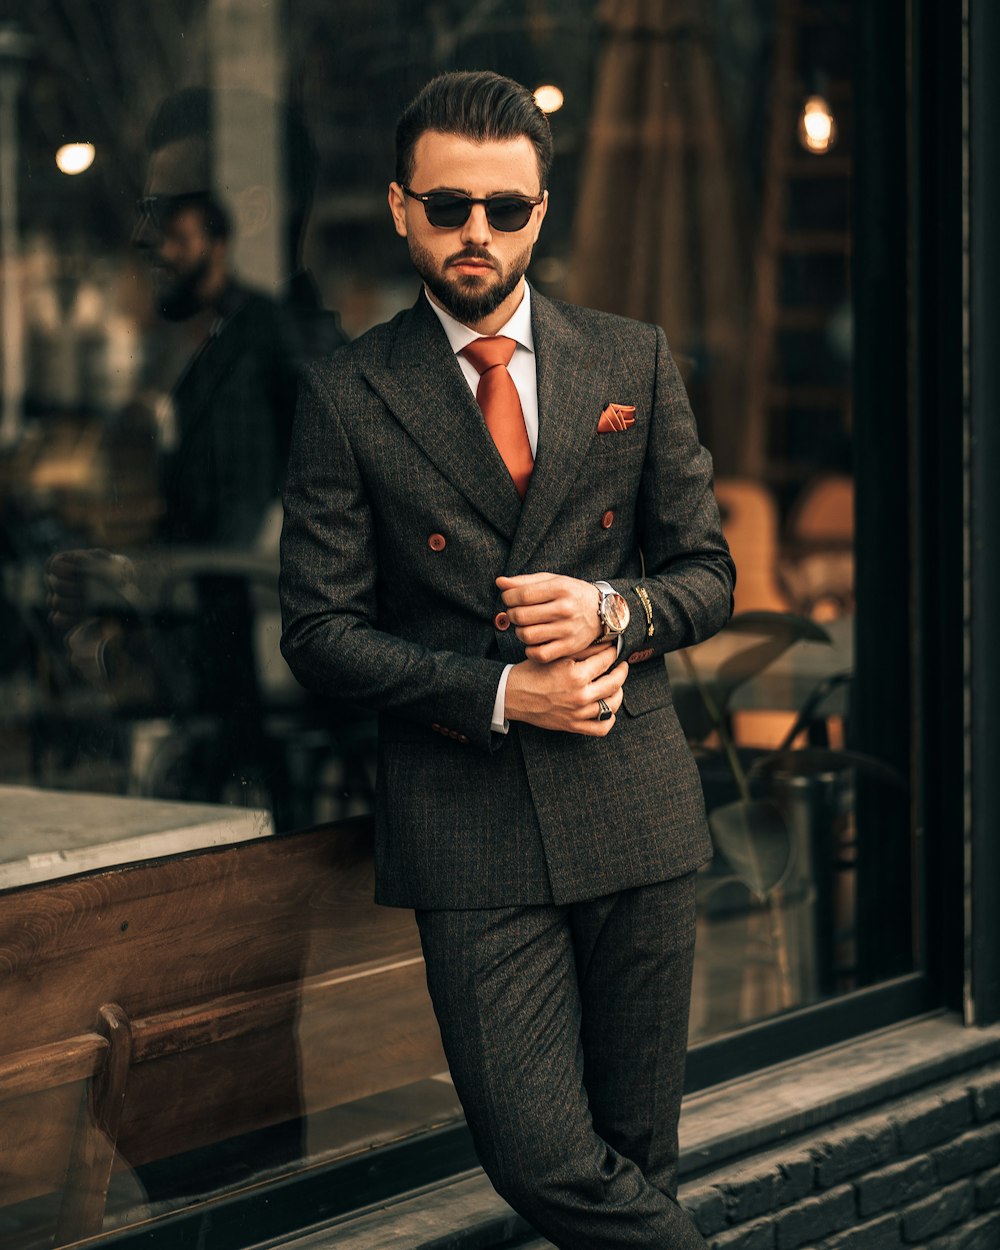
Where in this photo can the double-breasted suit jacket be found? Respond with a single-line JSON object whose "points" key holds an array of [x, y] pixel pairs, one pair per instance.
{"points": [[399, 515]]}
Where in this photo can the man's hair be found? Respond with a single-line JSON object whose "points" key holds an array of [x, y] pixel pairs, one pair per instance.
{"points": [[477, 105]]}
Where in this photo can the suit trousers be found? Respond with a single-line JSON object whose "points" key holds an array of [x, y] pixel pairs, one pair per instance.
{"points": [[565, 1028]]}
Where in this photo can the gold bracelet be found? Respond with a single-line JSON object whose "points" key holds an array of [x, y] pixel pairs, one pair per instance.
{"points": [[648, 608]]}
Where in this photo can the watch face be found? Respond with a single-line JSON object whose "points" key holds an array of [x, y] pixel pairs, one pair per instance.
{"points": [[615, 613]]}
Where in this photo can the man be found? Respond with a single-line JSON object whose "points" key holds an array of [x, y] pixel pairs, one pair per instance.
{"points": [[233, 400], [226, 423], [475, 573]]}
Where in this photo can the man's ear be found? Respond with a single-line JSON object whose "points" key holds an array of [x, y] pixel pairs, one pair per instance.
{"points": [[251, 208], [540, 212], [397, 206]]}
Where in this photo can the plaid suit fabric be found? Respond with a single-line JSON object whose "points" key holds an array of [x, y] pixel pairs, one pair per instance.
{"points": [[565, 1030], [552, 873], [389, 449]]}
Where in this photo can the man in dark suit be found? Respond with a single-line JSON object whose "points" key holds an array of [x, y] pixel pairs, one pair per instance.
{"points": [[498, 518]]}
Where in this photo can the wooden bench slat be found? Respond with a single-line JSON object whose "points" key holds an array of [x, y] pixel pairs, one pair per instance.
{"points": [[38, 1068], [233, 1015]]}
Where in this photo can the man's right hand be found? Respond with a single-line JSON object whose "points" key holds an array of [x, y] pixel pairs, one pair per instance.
{"points": [[563, 694], [70, 576]]}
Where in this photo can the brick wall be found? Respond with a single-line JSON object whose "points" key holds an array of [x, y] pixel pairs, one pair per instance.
{"points": [[923, 1171]]}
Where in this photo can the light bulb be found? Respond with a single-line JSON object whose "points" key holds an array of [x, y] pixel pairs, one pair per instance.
{"points": [[74, 158], [549, 98], [817, 129]]}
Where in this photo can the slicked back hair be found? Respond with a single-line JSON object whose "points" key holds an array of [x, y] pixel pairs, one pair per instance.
{"points": [[477, 105]]}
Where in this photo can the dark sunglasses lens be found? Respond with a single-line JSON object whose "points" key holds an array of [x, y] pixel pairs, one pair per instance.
{"points": [[447, 211], [158, 208], [508, 213]]}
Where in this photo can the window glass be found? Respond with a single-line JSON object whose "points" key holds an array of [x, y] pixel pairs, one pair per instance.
{"points": [[192, 207]]}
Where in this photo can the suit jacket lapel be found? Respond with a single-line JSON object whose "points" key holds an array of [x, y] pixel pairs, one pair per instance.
{"points": [[201, 378], [570, 372], [422, 385]]}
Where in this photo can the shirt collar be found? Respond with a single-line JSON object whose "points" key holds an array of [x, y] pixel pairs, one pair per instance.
{"points": [[518, 327]]}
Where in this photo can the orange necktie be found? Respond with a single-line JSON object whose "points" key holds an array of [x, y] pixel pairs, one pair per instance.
{"points": [[497, 397]]}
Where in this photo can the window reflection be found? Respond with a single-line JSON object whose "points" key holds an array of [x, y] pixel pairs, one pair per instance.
{"points": [[150, 361]]}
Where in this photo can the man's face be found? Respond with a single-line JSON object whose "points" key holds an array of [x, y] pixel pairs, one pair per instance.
{"points": [[187, 263], [473, 270]]}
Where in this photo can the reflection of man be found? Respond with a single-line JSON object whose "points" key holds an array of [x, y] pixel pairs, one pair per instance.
{"points": [[224, 450], [541, 812], [233, 403]]}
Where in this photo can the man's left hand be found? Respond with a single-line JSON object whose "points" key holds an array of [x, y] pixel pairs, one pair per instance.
{"points": [[554, 616]]}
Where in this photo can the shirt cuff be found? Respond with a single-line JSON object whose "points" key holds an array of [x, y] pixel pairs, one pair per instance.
{"points": [[499, 725]]}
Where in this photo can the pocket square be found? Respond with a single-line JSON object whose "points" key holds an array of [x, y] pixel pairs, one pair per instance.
{"points": [[616, 417]]}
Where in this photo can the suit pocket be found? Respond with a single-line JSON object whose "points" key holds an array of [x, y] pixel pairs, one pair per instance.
{"points": [[647, 688]]}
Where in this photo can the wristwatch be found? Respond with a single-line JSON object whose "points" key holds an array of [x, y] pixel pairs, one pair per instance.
{"points": [[613, 613]]}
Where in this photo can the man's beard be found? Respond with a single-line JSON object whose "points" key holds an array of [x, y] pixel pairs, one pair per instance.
{"points": [[468, 297], [177, 297]]}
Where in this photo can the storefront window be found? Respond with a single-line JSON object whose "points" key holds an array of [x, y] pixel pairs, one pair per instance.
{"points": [[188, 193]]}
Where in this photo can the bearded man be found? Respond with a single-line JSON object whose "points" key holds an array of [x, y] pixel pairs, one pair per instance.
{"points": [[498, 518]]}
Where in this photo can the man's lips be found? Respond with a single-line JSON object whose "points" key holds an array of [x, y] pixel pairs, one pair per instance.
{"points": [[472, 264]]}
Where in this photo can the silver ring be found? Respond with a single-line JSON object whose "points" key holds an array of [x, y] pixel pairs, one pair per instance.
{"points": [[605, 713]]}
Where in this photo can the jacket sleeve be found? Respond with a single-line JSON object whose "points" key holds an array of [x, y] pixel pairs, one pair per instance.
{"points": [[689, 574], [330, 633]]}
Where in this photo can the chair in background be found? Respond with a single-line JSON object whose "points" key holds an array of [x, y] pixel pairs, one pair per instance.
{"points": [[817, 569]]}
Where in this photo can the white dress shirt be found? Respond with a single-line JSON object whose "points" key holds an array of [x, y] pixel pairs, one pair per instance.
{"points": [[524, 375], [525, 378]]}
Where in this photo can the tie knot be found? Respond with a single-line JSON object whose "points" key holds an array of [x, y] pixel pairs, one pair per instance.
{"points": [[485, 353]]}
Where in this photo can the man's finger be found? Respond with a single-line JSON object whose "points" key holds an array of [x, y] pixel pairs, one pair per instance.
{"points": [[544, 591], [604, 686], [524, 579], [598, 663], [535, 613]]}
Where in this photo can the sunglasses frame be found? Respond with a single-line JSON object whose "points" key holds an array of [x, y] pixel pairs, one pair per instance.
{"points": [[531, 202], [147, 206]]}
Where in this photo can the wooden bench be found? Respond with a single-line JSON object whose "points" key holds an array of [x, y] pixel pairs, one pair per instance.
{"points": [[157, 1008]]}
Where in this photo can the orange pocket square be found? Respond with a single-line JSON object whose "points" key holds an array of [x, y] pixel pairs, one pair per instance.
{"points": [[616, 417]]}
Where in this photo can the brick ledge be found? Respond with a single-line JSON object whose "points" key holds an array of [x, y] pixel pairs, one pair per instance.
{"points": [[763, 1109], [717, 1125]]}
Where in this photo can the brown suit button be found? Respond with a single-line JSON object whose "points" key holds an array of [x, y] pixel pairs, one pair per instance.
{"points": [[463, 739], [501, 620], [637, 657], [437, 542], [608, 519]]}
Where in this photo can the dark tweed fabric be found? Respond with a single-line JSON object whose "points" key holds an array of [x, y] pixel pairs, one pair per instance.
{"points": [[565, 1030], [390, 449]]}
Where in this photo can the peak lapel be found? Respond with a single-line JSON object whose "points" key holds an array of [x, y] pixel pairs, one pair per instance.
{"points": [[570, 386], [423, 387]]}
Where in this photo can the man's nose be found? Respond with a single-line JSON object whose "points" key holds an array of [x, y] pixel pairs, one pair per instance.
{"points": [[477, 228]]}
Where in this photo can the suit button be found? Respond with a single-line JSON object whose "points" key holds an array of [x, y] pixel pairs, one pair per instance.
{"points": [[463, 739], [437, 542], [501, 620], [608, 519], [639, 657]]}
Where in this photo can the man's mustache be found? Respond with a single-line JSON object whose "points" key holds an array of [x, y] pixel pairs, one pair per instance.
{"points": [[472, 253]]}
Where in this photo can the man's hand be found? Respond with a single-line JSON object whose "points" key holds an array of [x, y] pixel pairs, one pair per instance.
{"points": [[554, 616], [564, 694], [70, 576]]}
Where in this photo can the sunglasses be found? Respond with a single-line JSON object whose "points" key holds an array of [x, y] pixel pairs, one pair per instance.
{"points": [[449, 209], [161, 208]]}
